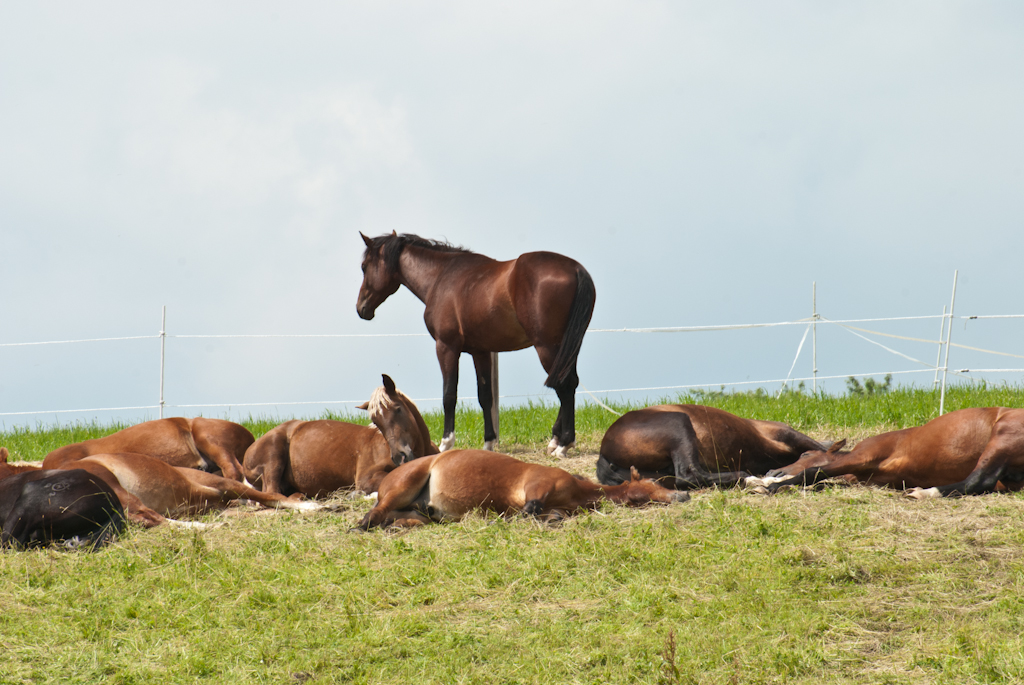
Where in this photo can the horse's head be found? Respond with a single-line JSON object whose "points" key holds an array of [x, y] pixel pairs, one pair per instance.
{"points": [[380, 273], [643, 490], [399, 421]]}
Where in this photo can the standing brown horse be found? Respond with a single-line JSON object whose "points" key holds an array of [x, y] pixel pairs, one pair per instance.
{"points": [[191, 443], [450, 485], [316, 458], [964, 452], [477, 305], [694, 446]]}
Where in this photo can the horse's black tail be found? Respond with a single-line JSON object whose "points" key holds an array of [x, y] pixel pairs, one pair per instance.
{"points": [[609, 474], [579, 318]]}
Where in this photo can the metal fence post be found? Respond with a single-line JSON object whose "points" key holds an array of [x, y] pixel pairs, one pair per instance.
{"points": [[163, 341], [494, 394], [945, 364]]}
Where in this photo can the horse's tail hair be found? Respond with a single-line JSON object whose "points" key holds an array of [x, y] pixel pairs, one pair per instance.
{"points": [[110, 530], [579, 318], [609, 474]]}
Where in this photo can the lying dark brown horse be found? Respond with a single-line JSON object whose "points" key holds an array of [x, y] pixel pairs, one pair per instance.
{"points": [[315, 458], [477, 305], [965, 452], [152, 491], [694, 446], [450, 485], [39, 507], [191, 443]]}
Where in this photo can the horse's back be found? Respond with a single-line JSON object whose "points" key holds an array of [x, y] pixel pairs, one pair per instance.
{"points": [[327, 455]]}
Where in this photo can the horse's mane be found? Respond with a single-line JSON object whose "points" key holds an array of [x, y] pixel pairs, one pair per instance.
{"points": [[391, 246]]}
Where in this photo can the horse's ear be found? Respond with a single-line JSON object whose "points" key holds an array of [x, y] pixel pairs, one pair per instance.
{"points": [[837, 445], [394, 233], [389, 384], [366, 240], [634, 475], [3, 455], [365, 406]]}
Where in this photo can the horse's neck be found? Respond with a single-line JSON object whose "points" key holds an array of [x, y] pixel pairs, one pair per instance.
{"points": [[420, 267]]}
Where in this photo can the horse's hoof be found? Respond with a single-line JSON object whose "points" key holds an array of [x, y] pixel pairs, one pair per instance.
{"points": [[447, 442], [679, 496], [562, 451], [922, 493], [489, 445], [552, 446]]}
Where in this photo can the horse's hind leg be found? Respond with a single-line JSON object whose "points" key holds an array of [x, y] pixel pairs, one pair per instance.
{"points": [[686, 459], [482, 362], [564, 430]]}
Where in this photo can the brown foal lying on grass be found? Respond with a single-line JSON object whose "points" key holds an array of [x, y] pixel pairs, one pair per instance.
{"points": [[197, 443], [965, 452], [449, 485], [153, 492], [694, 446], [315, 458]]}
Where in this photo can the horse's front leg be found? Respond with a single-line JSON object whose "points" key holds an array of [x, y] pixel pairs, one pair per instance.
{"points": [[448, 358], [484, 391]]}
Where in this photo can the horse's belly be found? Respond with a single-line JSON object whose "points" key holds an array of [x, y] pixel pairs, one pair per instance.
{"points": [[454, 498]]}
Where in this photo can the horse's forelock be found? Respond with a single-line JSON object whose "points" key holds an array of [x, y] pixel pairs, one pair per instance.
{"points": [[379, 401]]}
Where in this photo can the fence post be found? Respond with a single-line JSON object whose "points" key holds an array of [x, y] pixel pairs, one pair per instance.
{"points": [[163, 341], [494, 395], [945, 364], [938, 352], [814, 335]]}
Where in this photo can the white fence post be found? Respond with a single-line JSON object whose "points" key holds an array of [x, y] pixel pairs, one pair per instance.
{"points": [[494, 394], [945, 364], [814, 336], [163, 341], [938, 352]]}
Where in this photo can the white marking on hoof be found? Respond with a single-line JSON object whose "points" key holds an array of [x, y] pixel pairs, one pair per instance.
{"points": [[303, 505], [755, 483], [372, 497], [553, 445], [489, 445], [562, 451], [923, 493], [447, 442]]}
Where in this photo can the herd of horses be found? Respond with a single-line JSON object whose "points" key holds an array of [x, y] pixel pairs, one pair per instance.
{"points": [[158, 471]]}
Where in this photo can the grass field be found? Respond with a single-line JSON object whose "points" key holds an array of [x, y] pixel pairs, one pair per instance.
{"points": [[848, 584]]}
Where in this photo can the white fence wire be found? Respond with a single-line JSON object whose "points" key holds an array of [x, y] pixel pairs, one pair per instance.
{"points": [[810, 323]]}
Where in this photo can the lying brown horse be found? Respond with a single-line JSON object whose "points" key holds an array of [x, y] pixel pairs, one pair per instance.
{"points": [[450, 485], [694, 446], [315, 458], [152, 491], [191, 443], [39, 507], [477, 305], [965, 452]]}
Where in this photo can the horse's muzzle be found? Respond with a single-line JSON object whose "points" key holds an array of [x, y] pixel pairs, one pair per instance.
{"points": [[364, 312]]}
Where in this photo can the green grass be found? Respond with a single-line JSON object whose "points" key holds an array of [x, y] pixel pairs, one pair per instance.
{"points": [[844, 585]]}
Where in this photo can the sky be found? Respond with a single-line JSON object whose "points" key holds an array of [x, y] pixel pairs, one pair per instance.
{"points": [[707, 162]]}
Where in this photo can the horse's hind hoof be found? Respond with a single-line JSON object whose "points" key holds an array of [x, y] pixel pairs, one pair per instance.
{"points": [[679, 496], [561, 451]]}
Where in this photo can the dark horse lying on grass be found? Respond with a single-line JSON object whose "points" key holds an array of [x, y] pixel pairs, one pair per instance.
{"points": [[694, 446], [198, 443], [965, 452], [477, 305], [40, 507], [450, 485], [315, 458]]}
